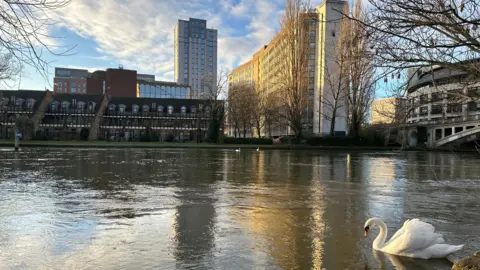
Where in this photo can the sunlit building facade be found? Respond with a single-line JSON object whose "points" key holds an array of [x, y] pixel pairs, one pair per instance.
{"points": [[388, 111], [324, 30]]}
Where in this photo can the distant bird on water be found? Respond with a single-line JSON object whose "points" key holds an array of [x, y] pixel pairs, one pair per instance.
{"points": [[237, 150]]}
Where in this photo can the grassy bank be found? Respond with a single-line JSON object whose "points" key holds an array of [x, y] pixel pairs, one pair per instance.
{"points": [[105, 144]]}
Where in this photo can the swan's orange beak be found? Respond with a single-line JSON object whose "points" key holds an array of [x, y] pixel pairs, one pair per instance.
{"points": [[366, 233]]}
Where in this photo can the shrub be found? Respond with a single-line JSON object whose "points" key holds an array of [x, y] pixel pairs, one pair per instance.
{"points": [[286, 140], [39, 136], [170, 138], [232, 140], [370, 140], [84, 133]]}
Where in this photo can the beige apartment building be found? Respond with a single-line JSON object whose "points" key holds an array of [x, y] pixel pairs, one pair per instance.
{"points": [[324, 31], [385, 111]]}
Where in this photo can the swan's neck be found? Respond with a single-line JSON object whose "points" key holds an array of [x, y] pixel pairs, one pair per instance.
{"points": [[379, 242]]}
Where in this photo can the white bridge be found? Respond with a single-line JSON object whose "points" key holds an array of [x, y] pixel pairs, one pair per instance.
{"points": [[445, 131]]}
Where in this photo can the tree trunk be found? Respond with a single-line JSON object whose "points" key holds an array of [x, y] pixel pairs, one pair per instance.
{"points": [[332, 122], [258, 129], [355, 125]]}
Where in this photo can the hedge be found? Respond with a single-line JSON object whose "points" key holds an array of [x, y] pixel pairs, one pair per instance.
{"points": [[346, 141], [232, 140]]}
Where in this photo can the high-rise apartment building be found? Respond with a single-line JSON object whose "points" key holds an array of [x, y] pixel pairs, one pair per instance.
{"points": [[323, 33], [196, 56]]}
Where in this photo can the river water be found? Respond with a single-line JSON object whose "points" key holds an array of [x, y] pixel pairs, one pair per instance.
{"points": [[219, 209]]}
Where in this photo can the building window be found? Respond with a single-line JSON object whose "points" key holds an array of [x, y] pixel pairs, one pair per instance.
{"points": [[30, 103], [437, 109], [454, 108], [65, 105], [80, 106], [423, 111], [170, 109], [91, 107], [135, 108], [424, 99], [121, 108], [436, 97], [473, 106], [54, 106]]}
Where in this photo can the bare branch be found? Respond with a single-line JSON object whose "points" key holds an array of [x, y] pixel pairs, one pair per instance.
{"points": [[24, 32]]}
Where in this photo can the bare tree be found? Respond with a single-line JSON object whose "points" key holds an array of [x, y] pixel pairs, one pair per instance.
{"points": [[414, 34], [361, 71], [260, 113], [292, 75], [269, 108], [215, 94], [336, 77], [241, 106], [334, 94], [24, 33], [9, 68]]}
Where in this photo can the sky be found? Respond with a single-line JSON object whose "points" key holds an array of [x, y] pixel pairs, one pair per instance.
{"points": [[138, 34]]}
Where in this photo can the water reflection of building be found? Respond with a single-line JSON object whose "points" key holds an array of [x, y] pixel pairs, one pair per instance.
{"points": [[280, 215], [386, 189], [341, 203], [196, 216]]}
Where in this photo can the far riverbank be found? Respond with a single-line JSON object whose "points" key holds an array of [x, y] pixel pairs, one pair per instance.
{"points": [[105, 144]]}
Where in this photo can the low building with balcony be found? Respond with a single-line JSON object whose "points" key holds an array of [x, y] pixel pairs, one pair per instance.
{"points": [[446, 102], [51, 116]]}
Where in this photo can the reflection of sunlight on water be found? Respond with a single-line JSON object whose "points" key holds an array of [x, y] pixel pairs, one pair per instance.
{"points": [[317, 224], [386, 189]]}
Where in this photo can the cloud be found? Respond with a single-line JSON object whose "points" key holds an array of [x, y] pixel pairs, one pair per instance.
{"points": [[139, 34], [90, 69]]}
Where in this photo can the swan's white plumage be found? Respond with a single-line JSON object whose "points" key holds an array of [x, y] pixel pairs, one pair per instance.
{"points": [[415, 239]]}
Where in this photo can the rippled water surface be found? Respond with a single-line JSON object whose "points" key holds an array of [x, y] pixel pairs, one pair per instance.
{"points": [[218, 209]]}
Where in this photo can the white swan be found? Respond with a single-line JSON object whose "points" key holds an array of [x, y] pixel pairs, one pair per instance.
{"points": [[258, 148], [415, 239], [237, 150]]}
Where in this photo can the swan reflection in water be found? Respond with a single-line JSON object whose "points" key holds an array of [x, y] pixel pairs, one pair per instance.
{"points": [[406, 263]]}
